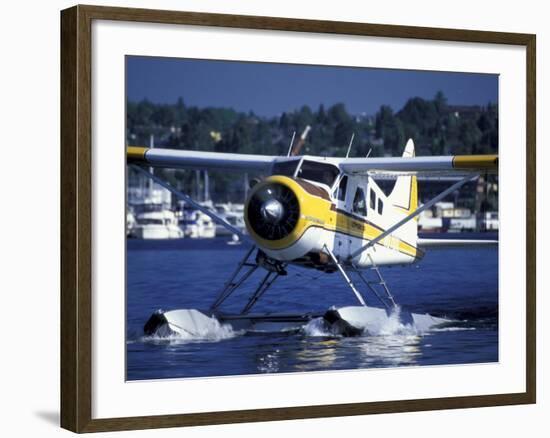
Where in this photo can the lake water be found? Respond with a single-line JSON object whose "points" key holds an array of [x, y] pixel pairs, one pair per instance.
{"points": [[459, 284]]}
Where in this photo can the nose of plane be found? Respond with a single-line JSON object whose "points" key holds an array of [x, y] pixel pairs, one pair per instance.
{"points": [[272, 211]]}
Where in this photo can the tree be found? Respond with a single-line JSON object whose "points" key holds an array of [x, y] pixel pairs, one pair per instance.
{"points": [[383, 121], [338, 114], [440, 102], [321, 116]]}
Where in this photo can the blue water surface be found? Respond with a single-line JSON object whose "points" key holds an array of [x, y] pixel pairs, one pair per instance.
{"points": [[460, 284]]}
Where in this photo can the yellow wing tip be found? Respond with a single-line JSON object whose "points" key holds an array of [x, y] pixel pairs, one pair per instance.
{"points": [[475, 162], [136, 153]]}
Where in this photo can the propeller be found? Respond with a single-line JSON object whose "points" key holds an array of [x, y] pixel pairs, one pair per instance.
{"points": [[273, 211]]}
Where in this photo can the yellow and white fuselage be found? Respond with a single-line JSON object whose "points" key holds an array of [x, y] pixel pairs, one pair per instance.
{"points": [[325, 221]]}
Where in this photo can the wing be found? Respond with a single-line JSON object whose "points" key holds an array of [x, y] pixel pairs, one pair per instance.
{"points": [[185, 159], [389, 167], [409, 164], [424, 166]]}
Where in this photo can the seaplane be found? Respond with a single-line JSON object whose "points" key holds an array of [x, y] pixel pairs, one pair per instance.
{"points": [[323, 213]]}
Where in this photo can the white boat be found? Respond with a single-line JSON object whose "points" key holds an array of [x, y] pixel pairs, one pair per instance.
{"points": [[232, 214], [130, 223], [196, 225], [234, 240], [489, 221], [428, 222], [153, 221], [445, 216]]}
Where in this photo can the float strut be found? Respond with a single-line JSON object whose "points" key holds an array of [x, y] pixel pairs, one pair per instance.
{"points": [[346, 277]]}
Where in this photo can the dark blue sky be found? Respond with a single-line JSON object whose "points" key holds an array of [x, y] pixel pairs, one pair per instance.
{"points": [[270, 89]]}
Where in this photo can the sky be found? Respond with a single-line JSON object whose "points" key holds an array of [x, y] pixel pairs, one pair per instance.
{"points": [[270, 89]]}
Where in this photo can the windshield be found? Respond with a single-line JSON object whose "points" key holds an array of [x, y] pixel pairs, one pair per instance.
{"points": [[319, 172], [285, 168]]}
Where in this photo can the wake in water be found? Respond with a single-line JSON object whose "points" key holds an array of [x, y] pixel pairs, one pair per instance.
{"points": [[394, 325], [390, 326], [214, 331]]}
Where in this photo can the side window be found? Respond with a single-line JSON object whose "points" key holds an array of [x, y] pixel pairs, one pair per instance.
{"points": [[372, 199], [342, 188], [380, 206], [359, 202]]}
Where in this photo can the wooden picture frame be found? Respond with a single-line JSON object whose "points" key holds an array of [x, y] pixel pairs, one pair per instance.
{"points": [[76, 217]]}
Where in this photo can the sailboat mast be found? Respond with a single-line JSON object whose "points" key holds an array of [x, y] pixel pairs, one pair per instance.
{"points": [[151, 170], [206, 186]]}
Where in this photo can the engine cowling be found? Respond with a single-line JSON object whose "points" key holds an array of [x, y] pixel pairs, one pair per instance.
{"points": [[285, 216], [273, 211]]}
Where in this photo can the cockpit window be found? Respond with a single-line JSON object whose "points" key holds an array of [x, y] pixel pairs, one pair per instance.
{"points": [[285, 168], [342, 188], [320, 172], [380, 206], [372, 200], [359, 202]]}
